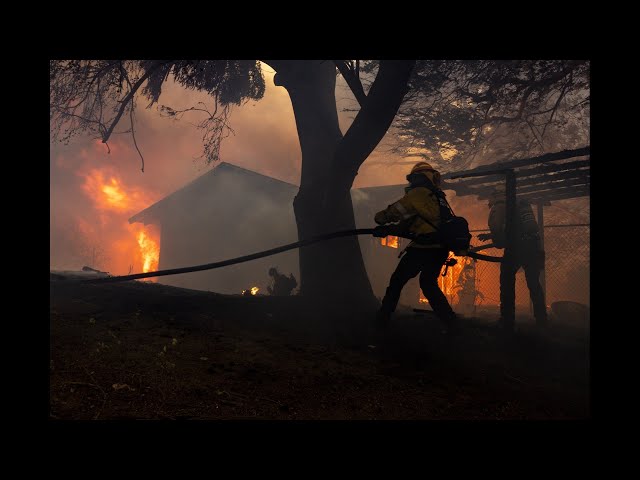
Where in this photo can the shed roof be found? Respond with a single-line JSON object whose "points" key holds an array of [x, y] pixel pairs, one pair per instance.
{"points": [[549, 177]]}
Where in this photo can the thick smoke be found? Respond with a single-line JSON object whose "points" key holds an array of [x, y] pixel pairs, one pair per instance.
{"points": [[265, 140], [81, 232]]}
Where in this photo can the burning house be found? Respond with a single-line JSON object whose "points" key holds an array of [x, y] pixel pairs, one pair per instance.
{"points": [[231, 211]]}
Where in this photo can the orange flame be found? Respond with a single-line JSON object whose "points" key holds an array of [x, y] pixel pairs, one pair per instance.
{"points": [[252, 291], [130, 245], [150, 252], [390, 241], [114, 195], [449, 282]]}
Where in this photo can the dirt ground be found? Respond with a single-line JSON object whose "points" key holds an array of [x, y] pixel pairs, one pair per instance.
{"points": [[139, 350]]}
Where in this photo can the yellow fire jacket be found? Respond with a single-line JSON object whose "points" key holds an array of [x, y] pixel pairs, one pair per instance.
{"points": [[418, 203]]}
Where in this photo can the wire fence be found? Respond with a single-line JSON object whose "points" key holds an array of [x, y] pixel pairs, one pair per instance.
{"points": [[473, 287]]}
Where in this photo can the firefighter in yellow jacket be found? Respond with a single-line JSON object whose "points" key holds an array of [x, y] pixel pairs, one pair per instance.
{"points": [[426, 259]]}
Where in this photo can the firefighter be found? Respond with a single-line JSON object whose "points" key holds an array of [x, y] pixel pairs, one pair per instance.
{"points": [[527, 253], [282, 285], [426, 259]]}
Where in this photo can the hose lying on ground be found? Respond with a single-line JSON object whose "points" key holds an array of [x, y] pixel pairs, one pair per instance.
{"points": [[267, 253]]}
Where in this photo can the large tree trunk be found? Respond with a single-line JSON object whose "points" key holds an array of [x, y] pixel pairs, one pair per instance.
{"points": [[333, 271]]}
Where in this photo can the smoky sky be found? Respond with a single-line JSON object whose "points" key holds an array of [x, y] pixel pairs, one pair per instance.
{"points": [[264, 140]]}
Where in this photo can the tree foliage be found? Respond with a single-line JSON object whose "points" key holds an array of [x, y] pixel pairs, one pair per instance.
{"points": [[92, 96], [456, 112], [460, 111]]}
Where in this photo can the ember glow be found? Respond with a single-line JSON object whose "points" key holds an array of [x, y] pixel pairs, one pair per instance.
{"points": [[252, 291]]}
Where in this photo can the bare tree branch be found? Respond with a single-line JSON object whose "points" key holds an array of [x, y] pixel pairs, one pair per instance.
{"points": [[352, 77], [375, 116], [125, 101], [85, 93], [133, 135]]}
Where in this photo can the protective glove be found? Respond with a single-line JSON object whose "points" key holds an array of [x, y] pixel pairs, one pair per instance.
{"points": [[380, 218], [483, 237]]}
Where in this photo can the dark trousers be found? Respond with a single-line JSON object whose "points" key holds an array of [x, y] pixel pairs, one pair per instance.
{"points": [[531, 259], [428, 262]]}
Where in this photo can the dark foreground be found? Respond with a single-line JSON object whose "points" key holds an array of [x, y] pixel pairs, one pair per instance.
{"points": [[144, 351]]}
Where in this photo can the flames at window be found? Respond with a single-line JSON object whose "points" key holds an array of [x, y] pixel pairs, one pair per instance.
{"points": [[149, 250], [390, 241]]}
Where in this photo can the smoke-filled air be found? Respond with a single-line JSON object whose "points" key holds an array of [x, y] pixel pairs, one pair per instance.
{"points": [[319, 239]]}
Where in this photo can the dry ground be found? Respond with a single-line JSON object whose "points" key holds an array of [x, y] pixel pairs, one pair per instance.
{"points": [[139, 350]]}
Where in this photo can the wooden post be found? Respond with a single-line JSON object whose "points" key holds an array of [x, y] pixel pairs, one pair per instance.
{"points": [[510, 231], [543, 276]]}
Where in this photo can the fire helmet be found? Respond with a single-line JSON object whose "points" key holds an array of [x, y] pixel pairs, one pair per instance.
{"points": [[421, 167], [424, 168]]}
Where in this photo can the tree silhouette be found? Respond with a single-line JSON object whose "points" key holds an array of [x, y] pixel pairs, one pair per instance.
{"points": [[92, 97], [461, 113]]}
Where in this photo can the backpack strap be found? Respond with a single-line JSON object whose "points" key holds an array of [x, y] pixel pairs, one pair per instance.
{"points": [[440, 195], [443, 196]]}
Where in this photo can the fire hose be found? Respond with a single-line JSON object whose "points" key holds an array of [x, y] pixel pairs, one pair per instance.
{"points": [[376, 232]]}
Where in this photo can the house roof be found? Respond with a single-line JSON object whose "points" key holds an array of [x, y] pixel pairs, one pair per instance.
{"points": [[203, 183], [152, 213]]}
